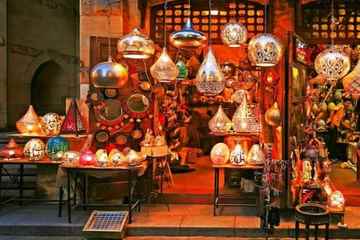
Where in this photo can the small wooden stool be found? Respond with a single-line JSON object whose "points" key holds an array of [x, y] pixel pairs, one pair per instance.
{"points": [[312, 214]]}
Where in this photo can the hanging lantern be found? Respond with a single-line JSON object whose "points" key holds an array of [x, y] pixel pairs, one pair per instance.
{"points": [[87, 158], [209, 79], [56, 147], [220, 153], [29, 123], [117, 158], [273, 115], [101, 157], [332, 63], [244, 119], [237, 155], [164, 69], [183, 71], [11, 150], [271, 77], [265, 50], [136, 46], [71, 156], [187, 37], [234, 34], [34, 149], [51, 123], [109, 74], [337, 199], [255, 155], [220, 123]]}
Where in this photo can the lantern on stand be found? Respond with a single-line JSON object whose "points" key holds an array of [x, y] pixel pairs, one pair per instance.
{"points": [[11, 150], [87, 158], [220, 153], [56, 147], [220, 123], [29, 123], [34, 149]]}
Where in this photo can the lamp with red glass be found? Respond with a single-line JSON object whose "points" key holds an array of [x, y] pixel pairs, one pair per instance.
{"points": [[271, 77], [87, 158], [11, 150]]}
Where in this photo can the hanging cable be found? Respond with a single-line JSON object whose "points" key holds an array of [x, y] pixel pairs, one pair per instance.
{"points": [[332, 23], [109, 27], [165, 10], [210, 42]]}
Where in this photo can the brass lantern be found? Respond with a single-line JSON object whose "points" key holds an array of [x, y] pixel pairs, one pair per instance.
{"points": [[332, 63], [234, 34], [34, 149], [187, 37], [29, 123], [220, 153], [210, 79], [255, 155], [164, 69], [244, 119], [265, 50], [220, 123], [237, 155], [136, 45], [109, 74]]}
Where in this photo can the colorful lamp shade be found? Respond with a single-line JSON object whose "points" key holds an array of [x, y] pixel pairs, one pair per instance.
{"points": [[265, 50], [183, 70], [234, 34], [56, 147], [34, 149], [109, 74], [11, 150], [187, 37], [136, 46], [117, 158], [30, 123], [73, 122], [332, 63], [102, 158], [237, 155], [220, 153], [164, 69], [244, 119], [220, 123], [87, 158], [273, 115], [210, 79], [337, 199], [255, 155], [71, 156], [51, 123]]}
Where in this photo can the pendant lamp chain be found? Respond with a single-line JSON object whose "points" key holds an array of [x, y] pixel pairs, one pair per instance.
{"points": [[109, 27], [165, 10], [265, 16], [209, 40], [333, 23]]}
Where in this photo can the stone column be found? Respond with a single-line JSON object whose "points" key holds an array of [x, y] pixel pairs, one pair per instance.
{"points": [[3, 63]]}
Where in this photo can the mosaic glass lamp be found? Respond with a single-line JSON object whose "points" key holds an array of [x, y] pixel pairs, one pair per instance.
{"points": [[337, 199], [109, 74], [30, 123], [234, 34], [34, 149], [183, 70], [117, 158], [244, 119], [273, 115], [237, 155], [136, 46], [11, 150], [164, 69], [102, 158], [265, 50], [187, 37], [51, 123], [220, 123], [56, 147], [71, 156], [87, 158], [210, 80], [332, 63], [220, 153], [255, 155]]}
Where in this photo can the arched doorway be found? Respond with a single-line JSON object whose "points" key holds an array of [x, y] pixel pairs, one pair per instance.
{"points": [[48, 88]]}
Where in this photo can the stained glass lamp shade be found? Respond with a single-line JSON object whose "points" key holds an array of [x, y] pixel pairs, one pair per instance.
{"points": [[220, 123], [87, 158], [34, 149], [220, 153], [244, 119], [234, 34], [237, 155], [56, 147], [12, 149], [51, 123], [164, 69], [265, 50], [30, 123], [187, 37], [183, 70], [136, 46], [73, 120]]}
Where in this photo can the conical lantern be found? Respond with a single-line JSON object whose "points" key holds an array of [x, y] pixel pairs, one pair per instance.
{"points": [[255, 155], [11, 150], [187, 37], [109, 74], [265, 50], [136, 46], [234, 34], [210, 79], [220, 153], [244, 119], [30, 123], [332, 63], [273, 115], [183, 71], [237, 155], [164, 69], [220, 123]]}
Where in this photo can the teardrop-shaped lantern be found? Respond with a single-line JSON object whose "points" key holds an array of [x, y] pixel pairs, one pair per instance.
{"points": [[109, 74], [136, 45], [273, 115], [234, 34], [332, 63], [164, 69], [237, 155], [183, 71], [220, 153], [220, 123], [29, 123], [210, 79], [265, 50], [187, 37], [255, 155], [244, 119]]}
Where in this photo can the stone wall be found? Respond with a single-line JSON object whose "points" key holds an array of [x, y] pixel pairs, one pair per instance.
{"points": [[3, 63]]}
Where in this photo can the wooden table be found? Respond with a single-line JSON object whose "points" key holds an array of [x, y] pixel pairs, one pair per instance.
{"points": [[218, 198], [132, 175]]}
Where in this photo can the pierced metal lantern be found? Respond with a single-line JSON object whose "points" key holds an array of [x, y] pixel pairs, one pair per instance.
{"points": [[56, 147], [164, 69], [332, 63], [30, 123], [210, 79], [255, 155], [265, 50], [51, 123], [220, 123], [34, 149], [234, 34], [109, 74], [136, 45], [187, 37], [237, 155], [244, 119], [220, 153]]}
